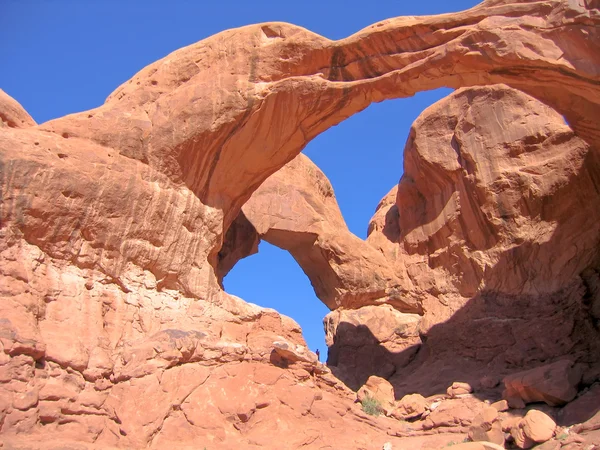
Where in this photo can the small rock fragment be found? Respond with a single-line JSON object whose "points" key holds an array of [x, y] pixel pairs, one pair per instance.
{"points": [[459, 388], [26, 400], [294, 353], [500, 406]]}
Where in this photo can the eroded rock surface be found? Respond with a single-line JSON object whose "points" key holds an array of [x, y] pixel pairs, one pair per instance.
{"points": [[497, 195], [12, 113], [296, 210], [203, 117], [372, 340], [115, 330], [554, 384]]}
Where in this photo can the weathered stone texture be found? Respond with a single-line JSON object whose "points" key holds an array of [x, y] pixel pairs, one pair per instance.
{"points": [[114, 328]]}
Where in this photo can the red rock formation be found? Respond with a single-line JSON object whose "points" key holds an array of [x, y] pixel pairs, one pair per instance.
{"points": [[12, 114], [101, 352], [296, 209], [491, 202], [115, 331], [494, 226], [534, 428], [487, 427], [202, 114], [555, 384]]}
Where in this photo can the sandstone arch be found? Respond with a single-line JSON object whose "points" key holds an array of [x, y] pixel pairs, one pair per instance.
{"points": [[494, 221], [209, 111], [296, 210], [113, 220]]}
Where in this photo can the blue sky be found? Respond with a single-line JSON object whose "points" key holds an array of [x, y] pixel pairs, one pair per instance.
{"points": [[64, 56]]}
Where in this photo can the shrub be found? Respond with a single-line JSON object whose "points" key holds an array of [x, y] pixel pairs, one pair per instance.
{"points": [[371, 406], [562, 436]]}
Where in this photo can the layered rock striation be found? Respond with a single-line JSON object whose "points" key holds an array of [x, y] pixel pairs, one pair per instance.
{"points": [[495, 221]]}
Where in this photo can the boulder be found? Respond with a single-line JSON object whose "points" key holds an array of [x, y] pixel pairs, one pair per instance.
{"points": [[583, 408], [379, 389], [487, 427], [556, 384], [454, 413], [500, 405], [459, 388], [410, 407], [536, 427], [294, 352]]}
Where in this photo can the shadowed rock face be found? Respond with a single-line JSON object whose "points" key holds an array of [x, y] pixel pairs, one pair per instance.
{"points": [[497, 194], [493, 226], [495, 222], [114, 329], [498, 221], [499, 188]]}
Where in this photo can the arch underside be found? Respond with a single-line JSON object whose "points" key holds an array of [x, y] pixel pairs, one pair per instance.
{"points": [[222, 115], [246, 101]]}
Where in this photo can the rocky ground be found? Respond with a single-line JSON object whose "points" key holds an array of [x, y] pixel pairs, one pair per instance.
{"points": [[470, 313]]}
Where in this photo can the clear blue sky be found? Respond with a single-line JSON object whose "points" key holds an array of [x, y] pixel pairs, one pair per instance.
{"points": [[64, 56]]}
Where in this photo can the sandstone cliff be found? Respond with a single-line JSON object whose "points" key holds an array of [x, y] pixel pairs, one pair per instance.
{"points": [[116, 228]]}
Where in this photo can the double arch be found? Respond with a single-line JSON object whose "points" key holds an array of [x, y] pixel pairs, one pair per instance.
{"points": [[222, 115]]}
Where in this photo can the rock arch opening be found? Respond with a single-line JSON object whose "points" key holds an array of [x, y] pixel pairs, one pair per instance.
{"points": [[491, 274], [362, 157], [272, 279], [300, 211], [481, 169]]}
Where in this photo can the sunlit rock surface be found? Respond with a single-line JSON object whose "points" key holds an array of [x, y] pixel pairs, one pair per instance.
{"points": [[115, 331]]}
